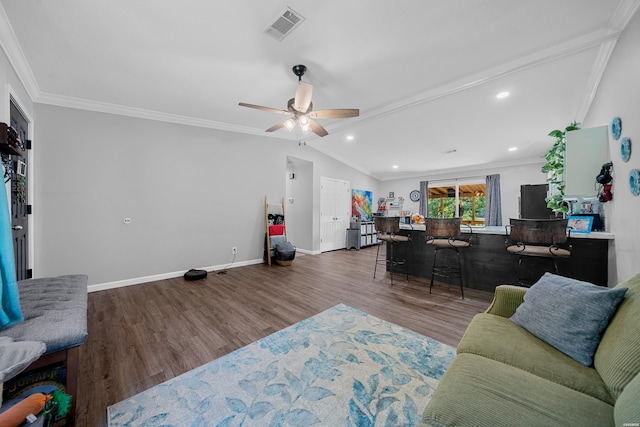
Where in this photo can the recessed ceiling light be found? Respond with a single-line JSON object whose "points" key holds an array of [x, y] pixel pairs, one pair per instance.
{"points": [[513, 149], [350, 137], [502, 95], [395, 166]]}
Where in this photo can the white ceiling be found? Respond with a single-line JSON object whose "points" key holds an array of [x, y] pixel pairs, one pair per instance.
{"points": [[424, 73]]}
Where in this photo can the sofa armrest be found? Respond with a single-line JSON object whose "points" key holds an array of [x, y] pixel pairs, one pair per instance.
{"points": [[506, 300]]}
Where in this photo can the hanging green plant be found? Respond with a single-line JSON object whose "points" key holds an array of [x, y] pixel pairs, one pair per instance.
{"points": [[554, 168]]}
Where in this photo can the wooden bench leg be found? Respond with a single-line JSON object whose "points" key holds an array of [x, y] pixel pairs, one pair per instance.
{"points": [[73, 355]]}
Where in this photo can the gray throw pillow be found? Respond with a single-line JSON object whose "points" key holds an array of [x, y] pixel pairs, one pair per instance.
{"points": [[15, 356], [568, 314]]}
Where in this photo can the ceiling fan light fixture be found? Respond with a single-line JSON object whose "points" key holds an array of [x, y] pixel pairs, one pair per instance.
{"points": [[289, 124], [305, 128], [304, 120]]}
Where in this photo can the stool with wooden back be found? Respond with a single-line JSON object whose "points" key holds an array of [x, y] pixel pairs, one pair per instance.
{"points": [[445, 234], [388, 229], [540, 238]]}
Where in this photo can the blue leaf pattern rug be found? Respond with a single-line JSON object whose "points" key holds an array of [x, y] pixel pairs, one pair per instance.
{"points": [[341, 367]]}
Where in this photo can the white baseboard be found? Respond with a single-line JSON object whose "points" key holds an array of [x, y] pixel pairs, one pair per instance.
{"points": [[307, 252], [163, 276]]}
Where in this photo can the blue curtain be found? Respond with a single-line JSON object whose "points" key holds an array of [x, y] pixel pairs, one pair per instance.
{"points": [[423, 208], [493, 213], [10, 312]]}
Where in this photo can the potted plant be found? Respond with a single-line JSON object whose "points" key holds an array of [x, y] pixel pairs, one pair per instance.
{"points": [[554, 168]]}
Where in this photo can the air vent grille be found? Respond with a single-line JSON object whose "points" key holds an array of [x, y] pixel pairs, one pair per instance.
{"points": [[283, 24]]}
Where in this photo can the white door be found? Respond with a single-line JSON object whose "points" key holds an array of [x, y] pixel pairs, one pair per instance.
{"points": [[335, 210]]}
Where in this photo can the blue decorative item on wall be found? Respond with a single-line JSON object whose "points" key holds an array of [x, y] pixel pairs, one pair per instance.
{"points": [[616, 128], [634, 182], [625, 149]]}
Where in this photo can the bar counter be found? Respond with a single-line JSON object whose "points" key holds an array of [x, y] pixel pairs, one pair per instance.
{"points": [[486, 263]]}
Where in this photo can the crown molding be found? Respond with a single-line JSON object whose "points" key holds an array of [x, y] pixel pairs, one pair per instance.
{"points": [[597, 71], [18, 61], [622, 15], [123, 110], [567, 48]]}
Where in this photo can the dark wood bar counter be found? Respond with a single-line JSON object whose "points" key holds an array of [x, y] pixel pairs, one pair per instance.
{"points": [[486, 263]]}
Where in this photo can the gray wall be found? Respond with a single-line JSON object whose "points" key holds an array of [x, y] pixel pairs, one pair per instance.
{"points": [[619, 95], [191, 193]]}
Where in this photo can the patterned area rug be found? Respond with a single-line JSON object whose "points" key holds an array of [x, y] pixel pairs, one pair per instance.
{"points": [[341, 367]]}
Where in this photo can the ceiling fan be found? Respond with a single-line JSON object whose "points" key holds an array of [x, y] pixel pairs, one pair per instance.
{"points": [[302, 109]]}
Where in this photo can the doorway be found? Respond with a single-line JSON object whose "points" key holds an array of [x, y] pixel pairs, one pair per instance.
{"points": [[17, 180], [335, 211], [299, 203]]}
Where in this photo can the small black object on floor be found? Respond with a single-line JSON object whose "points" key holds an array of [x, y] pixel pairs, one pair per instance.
{"points": [[285, 251], [194, 274]]}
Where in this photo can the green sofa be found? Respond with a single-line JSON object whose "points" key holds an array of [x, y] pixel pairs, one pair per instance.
{"points": [[503, 375]]}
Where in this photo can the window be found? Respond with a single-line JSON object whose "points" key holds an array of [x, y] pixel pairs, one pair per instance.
{"points": [[464, 200]]}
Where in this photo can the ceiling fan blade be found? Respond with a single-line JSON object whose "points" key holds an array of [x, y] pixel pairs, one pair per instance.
{"points": [[276, 126], [317, 129], [303, 97], [260, 107], [338, 113]]}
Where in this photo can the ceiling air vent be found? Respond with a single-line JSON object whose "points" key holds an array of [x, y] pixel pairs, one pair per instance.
{"points": [[283, 24]]}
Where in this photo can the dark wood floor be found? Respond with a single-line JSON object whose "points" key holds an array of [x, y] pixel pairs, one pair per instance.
{"points": [[143, 335]]}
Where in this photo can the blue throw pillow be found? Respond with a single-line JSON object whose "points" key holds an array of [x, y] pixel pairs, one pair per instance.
{"points": [[568, 314]]}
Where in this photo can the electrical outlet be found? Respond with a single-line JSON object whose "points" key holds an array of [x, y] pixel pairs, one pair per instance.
{"points": [[234, 250]]}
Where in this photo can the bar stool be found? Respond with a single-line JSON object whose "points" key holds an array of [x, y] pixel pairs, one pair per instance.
{"points": [[387, 229], [542, 238], [444, 234]]}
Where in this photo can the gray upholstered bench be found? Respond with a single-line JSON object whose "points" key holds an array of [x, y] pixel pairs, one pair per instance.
{"points": [[55, 313]]}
